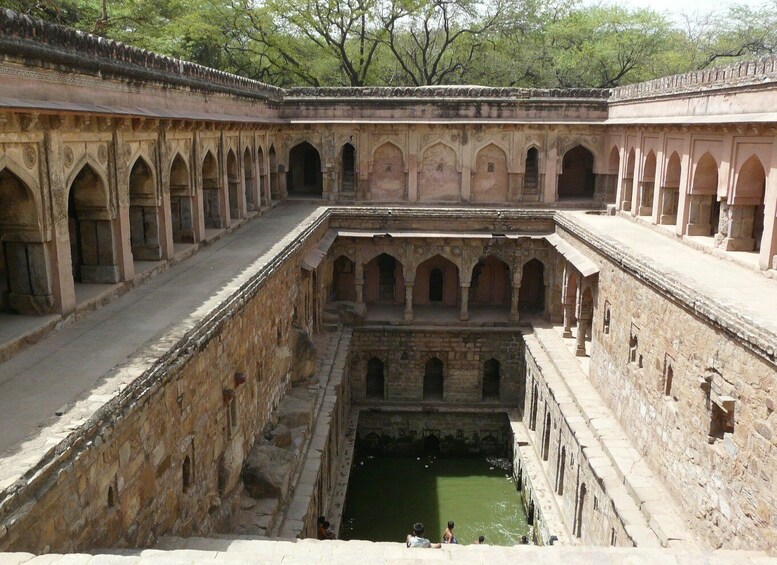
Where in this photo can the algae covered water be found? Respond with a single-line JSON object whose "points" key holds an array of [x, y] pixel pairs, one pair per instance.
{"points": [[387, 495]]}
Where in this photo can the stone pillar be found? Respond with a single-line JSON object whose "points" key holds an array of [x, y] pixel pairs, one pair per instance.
{"points": [[464, 313], [569, 310], [358, 280], [699, 213], [669, 198], [121, 237], [646, 198], [514, 314], [408, 301], [627, 194], [582, 330], [736, 227]]}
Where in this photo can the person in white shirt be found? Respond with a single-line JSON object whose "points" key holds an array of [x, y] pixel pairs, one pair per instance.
{"points": [[417, 539]]}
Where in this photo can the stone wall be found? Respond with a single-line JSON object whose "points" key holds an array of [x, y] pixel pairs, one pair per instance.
{"points": [[692, 384], [464, 352], [459, 432], [165, 455]]}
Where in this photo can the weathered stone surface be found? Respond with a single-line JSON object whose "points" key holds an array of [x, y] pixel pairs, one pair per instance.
{"points": [[266, 472]]}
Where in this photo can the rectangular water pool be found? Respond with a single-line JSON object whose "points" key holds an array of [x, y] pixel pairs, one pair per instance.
{"points": [[387, 495]]}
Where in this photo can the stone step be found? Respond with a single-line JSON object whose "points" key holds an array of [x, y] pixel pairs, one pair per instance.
{"points": [[308, 551]]}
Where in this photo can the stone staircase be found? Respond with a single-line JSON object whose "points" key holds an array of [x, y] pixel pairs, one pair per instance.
{"points": [[222, 549], [639, 497]]}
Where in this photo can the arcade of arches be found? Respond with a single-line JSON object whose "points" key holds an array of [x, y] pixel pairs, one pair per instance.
{"points": [[582, 277]]}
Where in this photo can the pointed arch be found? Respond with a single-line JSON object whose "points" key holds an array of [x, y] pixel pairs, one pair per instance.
{"points": [[273, 164], [669, 198], [90, 226], [384, 280], [343, 279], [211, 191], [233, 185], [249, 179], [490, 179], [438, 176], [144, 213], [348, 168], [490, 283], [388, 178], [531, 168], [747, 209], [531, 296], [261, 182], [705, 176], [101, 198], [304, 177], [181, 201], [25, 271], [614, 161], [577, 174], [436, 282]]}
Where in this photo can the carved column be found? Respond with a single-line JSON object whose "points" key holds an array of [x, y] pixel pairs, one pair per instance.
{"points": [[464, 313], [358, 279], [514, 314], [582, 329], [408, 301]]}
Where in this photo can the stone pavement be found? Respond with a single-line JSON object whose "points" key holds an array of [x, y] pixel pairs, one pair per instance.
{"points": [[308, 551], [49, 375], [742, 291]]}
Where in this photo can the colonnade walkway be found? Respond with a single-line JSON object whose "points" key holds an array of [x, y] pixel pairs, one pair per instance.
{"points": [[68, 364], [731, 293], [308, 552]]}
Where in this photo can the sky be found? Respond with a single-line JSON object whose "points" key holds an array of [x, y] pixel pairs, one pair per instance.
{"points": [[674, 8]]}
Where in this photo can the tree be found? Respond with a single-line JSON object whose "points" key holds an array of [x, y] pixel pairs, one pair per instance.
{"points": [[604, 47], [433, 43]]}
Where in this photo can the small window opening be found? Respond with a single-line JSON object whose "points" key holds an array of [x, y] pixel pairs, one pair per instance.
{"points": [[186, 471], [279, 335], [111, 497], [439, 167], [388, 168], [722, 418], [606, 324], [633, 345], [668, 376], [613, 537], [490, 167]]}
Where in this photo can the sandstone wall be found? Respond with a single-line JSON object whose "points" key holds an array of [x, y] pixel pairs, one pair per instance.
{"points": [[404, 432], [463, 352], [710, 431], [165, 455]]}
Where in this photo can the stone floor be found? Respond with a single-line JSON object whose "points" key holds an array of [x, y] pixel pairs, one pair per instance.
{"points": [[47, 376], [305, 552]]}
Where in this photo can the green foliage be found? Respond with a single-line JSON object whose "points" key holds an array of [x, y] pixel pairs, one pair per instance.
{"points": [[530, 43]]}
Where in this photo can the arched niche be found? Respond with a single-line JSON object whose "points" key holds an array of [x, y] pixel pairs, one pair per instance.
{"points": [[490, 283], [211, 192], [25, 270], [348, 169], [249, 180], [384, 280], [703, 204], [304, 177], [669, 198], [388, 181], [143, 213], [577, 174], [343, 282], [90, 226], [438, 177], [490, 179], [233, 185], [436, 282], [181, 201], [647, 185], [531, 296]]}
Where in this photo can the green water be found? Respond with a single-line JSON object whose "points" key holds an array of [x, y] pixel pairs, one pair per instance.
{"points": [[387, 495]]}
